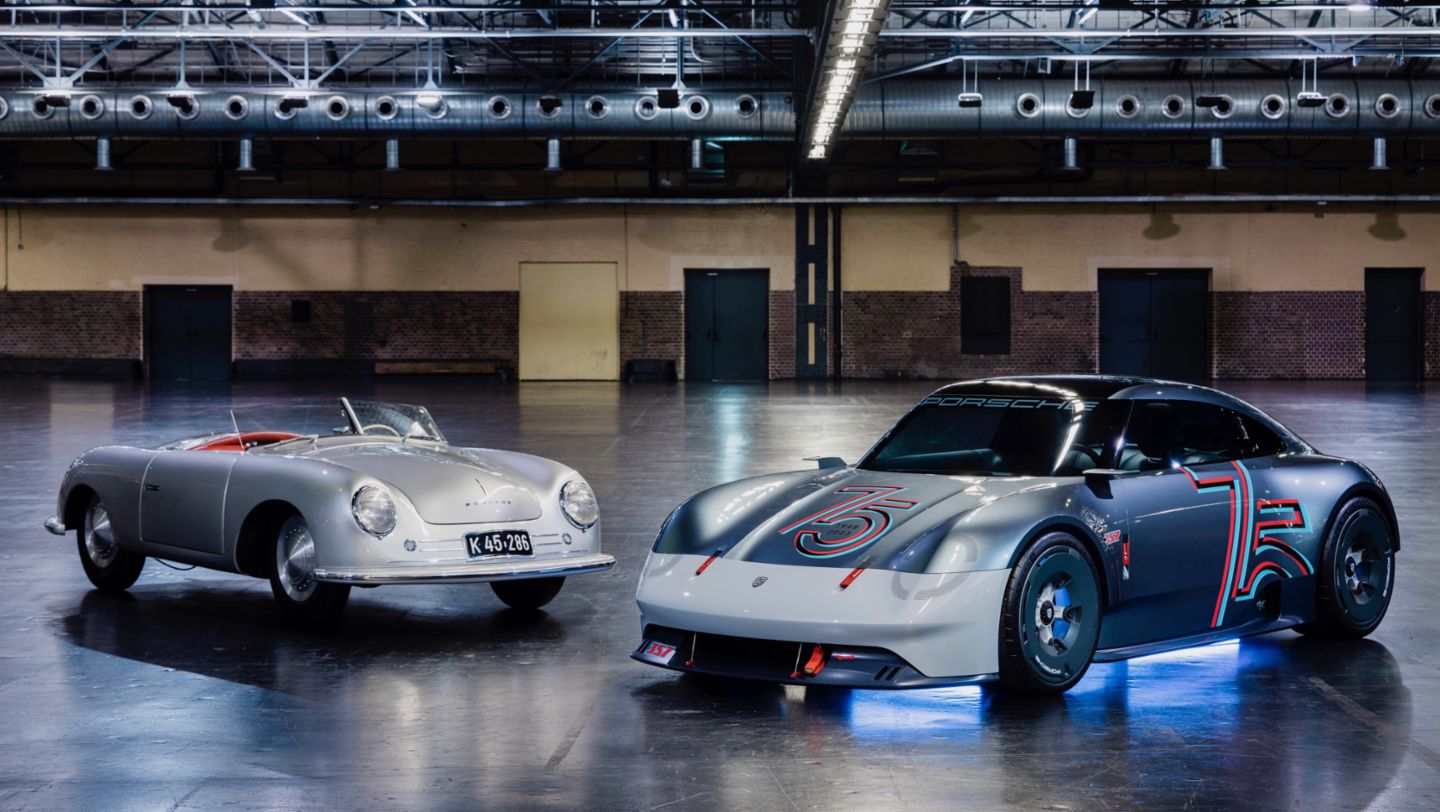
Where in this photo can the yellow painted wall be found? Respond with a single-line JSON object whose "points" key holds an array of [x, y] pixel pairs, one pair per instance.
{"points": [[387, 249], [569, 321], [909, 248], [884, 247]]}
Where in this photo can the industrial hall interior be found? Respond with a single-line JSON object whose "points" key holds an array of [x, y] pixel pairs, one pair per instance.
{"points": [[719, 404]]}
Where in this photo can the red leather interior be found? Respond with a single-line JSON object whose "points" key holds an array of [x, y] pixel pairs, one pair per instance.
{"points": [[248, 439]]}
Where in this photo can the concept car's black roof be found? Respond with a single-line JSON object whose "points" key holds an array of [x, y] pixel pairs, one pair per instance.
{"points": [[1083, 386]]}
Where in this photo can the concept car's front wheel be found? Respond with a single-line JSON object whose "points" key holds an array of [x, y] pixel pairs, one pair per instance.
{"points": [[531, 593], [1050, 620], [292, 579], [108, 567], [1357, 570]]}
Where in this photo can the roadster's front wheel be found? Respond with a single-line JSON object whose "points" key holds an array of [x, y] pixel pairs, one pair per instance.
{"points": [[529, 594], [1050, 620], [108, 567], [292, 578]]}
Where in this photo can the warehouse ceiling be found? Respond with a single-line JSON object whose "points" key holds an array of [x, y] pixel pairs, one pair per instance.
{"points": [[722, 98]]}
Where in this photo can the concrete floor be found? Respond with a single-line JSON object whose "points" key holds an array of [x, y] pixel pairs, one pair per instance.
{"points": [[188, 693]]}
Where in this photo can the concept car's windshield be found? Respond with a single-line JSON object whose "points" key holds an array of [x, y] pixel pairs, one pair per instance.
{"points": [[391, 419], [1038, 434]]}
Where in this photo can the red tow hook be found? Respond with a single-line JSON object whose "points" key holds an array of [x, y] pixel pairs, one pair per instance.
{"points": [[816, 663], [709, 561], [850, 579]]}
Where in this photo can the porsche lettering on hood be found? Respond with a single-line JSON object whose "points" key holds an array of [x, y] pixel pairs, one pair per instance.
{"points": [[445, 487]]}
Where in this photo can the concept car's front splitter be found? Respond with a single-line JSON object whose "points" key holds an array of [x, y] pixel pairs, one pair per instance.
{"points": [[943, 625]]}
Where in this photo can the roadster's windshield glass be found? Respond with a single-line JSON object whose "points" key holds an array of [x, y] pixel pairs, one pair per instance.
{"points": [[394, 419], [989, 435]]}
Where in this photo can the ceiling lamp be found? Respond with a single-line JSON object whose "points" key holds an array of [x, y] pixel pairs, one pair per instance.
{"points": [[668, 98], [969, 97], [849, 38], [292, 102], [1311, 96]]}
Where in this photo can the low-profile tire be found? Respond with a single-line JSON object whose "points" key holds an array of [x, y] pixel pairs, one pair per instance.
{"points": [[529, 594], [1357, 573], [302, 599], [109, 568], [1050, 618]]}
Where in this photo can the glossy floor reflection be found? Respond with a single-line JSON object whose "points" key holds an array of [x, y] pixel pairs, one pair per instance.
{"points": [[187, 693]]}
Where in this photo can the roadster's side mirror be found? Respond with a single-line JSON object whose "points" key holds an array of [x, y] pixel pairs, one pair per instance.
{"points": [[826, 462]]}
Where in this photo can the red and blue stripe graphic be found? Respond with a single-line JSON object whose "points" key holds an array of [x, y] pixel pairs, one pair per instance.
{"points": [[869, 506], [1253, 551]]}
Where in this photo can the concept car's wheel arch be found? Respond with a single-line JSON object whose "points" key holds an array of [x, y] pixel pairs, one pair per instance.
{"points": [[1083, 535], [1371, 491]]}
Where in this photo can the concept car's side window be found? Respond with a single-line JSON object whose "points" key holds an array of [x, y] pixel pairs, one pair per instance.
{"points": [[1260, 441], [1170, 433]]}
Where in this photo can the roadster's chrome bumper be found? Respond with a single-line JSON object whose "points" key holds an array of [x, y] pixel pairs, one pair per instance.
{"points": [[503, 569], [54, 525]]}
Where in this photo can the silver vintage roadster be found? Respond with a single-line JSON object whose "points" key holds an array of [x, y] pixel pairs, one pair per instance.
{"points": [[383, 499]]}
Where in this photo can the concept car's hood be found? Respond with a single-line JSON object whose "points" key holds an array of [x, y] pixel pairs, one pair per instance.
{"points": [[842, 518], [446, 486]]}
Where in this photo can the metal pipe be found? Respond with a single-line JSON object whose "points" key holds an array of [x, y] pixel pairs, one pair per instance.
{"points": [[552, 155], [938, 200], [378, 33], [102, 154], [697, 154], [1217, 154], [247, 156], [392, 155], [1381, 162], [1071, 161]]}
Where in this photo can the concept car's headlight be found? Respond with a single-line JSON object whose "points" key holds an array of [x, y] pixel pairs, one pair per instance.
{"points": [[374, 510], [578, 502]]}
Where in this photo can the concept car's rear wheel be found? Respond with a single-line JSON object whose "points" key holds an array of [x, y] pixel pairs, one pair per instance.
{"points": [[1357, 570], [108, 567], [292, 578], [1050, 620], [531, 593]]}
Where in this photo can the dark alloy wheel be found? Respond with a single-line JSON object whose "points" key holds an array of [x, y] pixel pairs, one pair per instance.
{"points": [[1050, 619], [108, 567], [301, 598], [529, 594], [1357, 573]]}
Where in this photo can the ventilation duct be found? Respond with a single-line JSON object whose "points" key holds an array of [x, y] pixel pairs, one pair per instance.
{"points": [[247, 156]]}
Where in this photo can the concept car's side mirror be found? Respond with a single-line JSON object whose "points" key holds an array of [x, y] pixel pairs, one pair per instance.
{"points": [[826, 462], [1099, 476]]}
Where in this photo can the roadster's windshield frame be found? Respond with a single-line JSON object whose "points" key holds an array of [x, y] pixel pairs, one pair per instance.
{"points": [[374, 419]]}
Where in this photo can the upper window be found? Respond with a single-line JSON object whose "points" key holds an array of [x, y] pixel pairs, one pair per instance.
{"points": [[985, 315], [1168, 434]]}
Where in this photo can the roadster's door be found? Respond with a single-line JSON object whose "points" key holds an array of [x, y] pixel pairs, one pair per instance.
{"points": [[1183, 504], [182, 503]]}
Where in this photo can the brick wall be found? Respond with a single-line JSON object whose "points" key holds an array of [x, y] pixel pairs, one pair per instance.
{"points": [[1288, 334], [782, 334], [392, 325], [71, 324], [1432, 333], [917, 334], [652, 325]]}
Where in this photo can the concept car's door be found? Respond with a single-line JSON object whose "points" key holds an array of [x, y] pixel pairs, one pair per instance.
{"points": [[183, 500]]}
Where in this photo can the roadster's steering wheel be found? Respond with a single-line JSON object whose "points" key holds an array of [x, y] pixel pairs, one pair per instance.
{"points": [[391, 429]]}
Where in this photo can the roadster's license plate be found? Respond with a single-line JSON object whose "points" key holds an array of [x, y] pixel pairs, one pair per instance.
{"points": [[498, 542]]}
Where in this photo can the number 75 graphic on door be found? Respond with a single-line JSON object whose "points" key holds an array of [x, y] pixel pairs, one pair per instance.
{"points": [[1254, 552]]}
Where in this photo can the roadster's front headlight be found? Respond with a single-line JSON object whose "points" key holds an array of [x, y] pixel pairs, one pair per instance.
{"points": [[374, 510], [578, 503]]}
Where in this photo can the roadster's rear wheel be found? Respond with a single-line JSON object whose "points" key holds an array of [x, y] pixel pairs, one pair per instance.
{"points": [[1050, 620], [529, 594], [1357, 571], [292, 577], [108, 567]]}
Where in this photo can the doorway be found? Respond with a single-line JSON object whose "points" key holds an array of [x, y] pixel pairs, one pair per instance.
{"points": [[1155, 322], [1393, 324], [569, 321], [727, 324], [187, 332]]}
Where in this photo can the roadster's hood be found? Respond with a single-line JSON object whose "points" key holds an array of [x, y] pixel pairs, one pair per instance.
{"points": [[842, 518], [444, 485]]}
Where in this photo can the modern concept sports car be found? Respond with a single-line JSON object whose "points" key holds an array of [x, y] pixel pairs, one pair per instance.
{"points": [[1019, 529], [383, 499]]}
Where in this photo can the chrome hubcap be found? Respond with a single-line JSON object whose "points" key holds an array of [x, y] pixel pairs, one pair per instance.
{"points": [[1057, 619], [99, 537], [295, 560]]}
